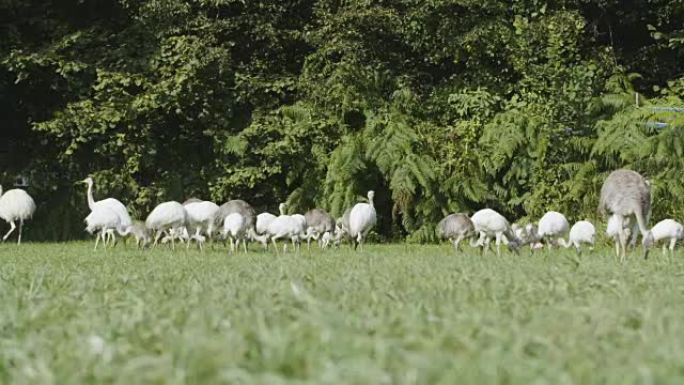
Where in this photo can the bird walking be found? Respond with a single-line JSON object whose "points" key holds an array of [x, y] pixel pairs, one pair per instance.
{"points": [[16, 205], [455, 228], [168, 217], [103, 221], [362, 219]]}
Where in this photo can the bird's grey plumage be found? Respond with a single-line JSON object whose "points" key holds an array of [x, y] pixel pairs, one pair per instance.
{"points": [[455, 227], [240, 207], [320, 220], [626, 193]]}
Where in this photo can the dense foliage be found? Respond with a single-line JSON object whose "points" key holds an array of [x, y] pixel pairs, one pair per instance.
{"points": [[440, 105]]}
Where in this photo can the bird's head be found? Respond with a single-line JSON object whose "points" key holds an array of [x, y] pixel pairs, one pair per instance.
{"points": [[371, 195], [88, 181], [647, 243]]}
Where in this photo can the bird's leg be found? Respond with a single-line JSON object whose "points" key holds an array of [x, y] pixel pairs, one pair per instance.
{"points": [[498, 244], [21, 225], [275, 245], [244, 244], [457, 241], [156, 238], [623, 244], [12, 227], [673, 241], [97, 240]]}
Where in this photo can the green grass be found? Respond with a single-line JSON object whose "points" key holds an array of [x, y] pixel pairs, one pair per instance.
{"points": [[393, 314]]}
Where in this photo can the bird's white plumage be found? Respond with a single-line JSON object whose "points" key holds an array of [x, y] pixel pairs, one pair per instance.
{"points": [[102, 219], [301, 219], [667, 229], [553, 224], [169, 217], [614, 224], [235, 229], [285, 226], [490, 224], [262, 222], [16, 205], [201, 216], [362, 219], [111, 203], [581, 232]]}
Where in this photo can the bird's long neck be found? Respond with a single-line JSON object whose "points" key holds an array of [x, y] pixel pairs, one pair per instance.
{"points": [[370, 200], [282, 209], [91, 201], [0, 191]]}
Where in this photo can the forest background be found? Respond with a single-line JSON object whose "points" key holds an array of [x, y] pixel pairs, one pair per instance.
{"points": [[438, 105]]}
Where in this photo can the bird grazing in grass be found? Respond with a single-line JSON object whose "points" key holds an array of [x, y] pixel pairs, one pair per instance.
{"points": [[286, 227], [167, 218], [235, 229], [553, 226], [490, 224], [361, 220], [103, 221], [201, 219], [668, 230], [16, 205], [581, 232]]}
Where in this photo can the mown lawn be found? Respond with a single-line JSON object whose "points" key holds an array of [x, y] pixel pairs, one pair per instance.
{"points": [[393, 314]]}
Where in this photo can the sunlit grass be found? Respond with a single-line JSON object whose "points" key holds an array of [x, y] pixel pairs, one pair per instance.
{"points": [[394, 314]]}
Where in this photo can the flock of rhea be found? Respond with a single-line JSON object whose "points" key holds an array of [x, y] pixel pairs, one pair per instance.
{"points": [[625, 196]]}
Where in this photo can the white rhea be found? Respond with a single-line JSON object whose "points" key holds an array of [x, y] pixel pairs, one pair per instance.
{"points": [[362, 219], [201, 219], [103, 221], [581, 232], [16, 205], [667, 230], [553, 226], [261, 229], [235, 228], [139, 232], [615, 222], [111, 203], [287, 227], [168, 217], [490, 224]]}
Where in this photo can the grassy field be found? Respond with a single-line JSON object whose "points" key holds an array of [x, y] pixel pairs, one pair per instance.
{"points": [[393, 314]]}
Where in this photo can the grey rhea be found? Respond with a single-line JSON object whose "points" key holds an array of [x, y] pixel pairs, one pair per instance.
{"points": [[318, 223], [626, 193], [455, 227]]}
